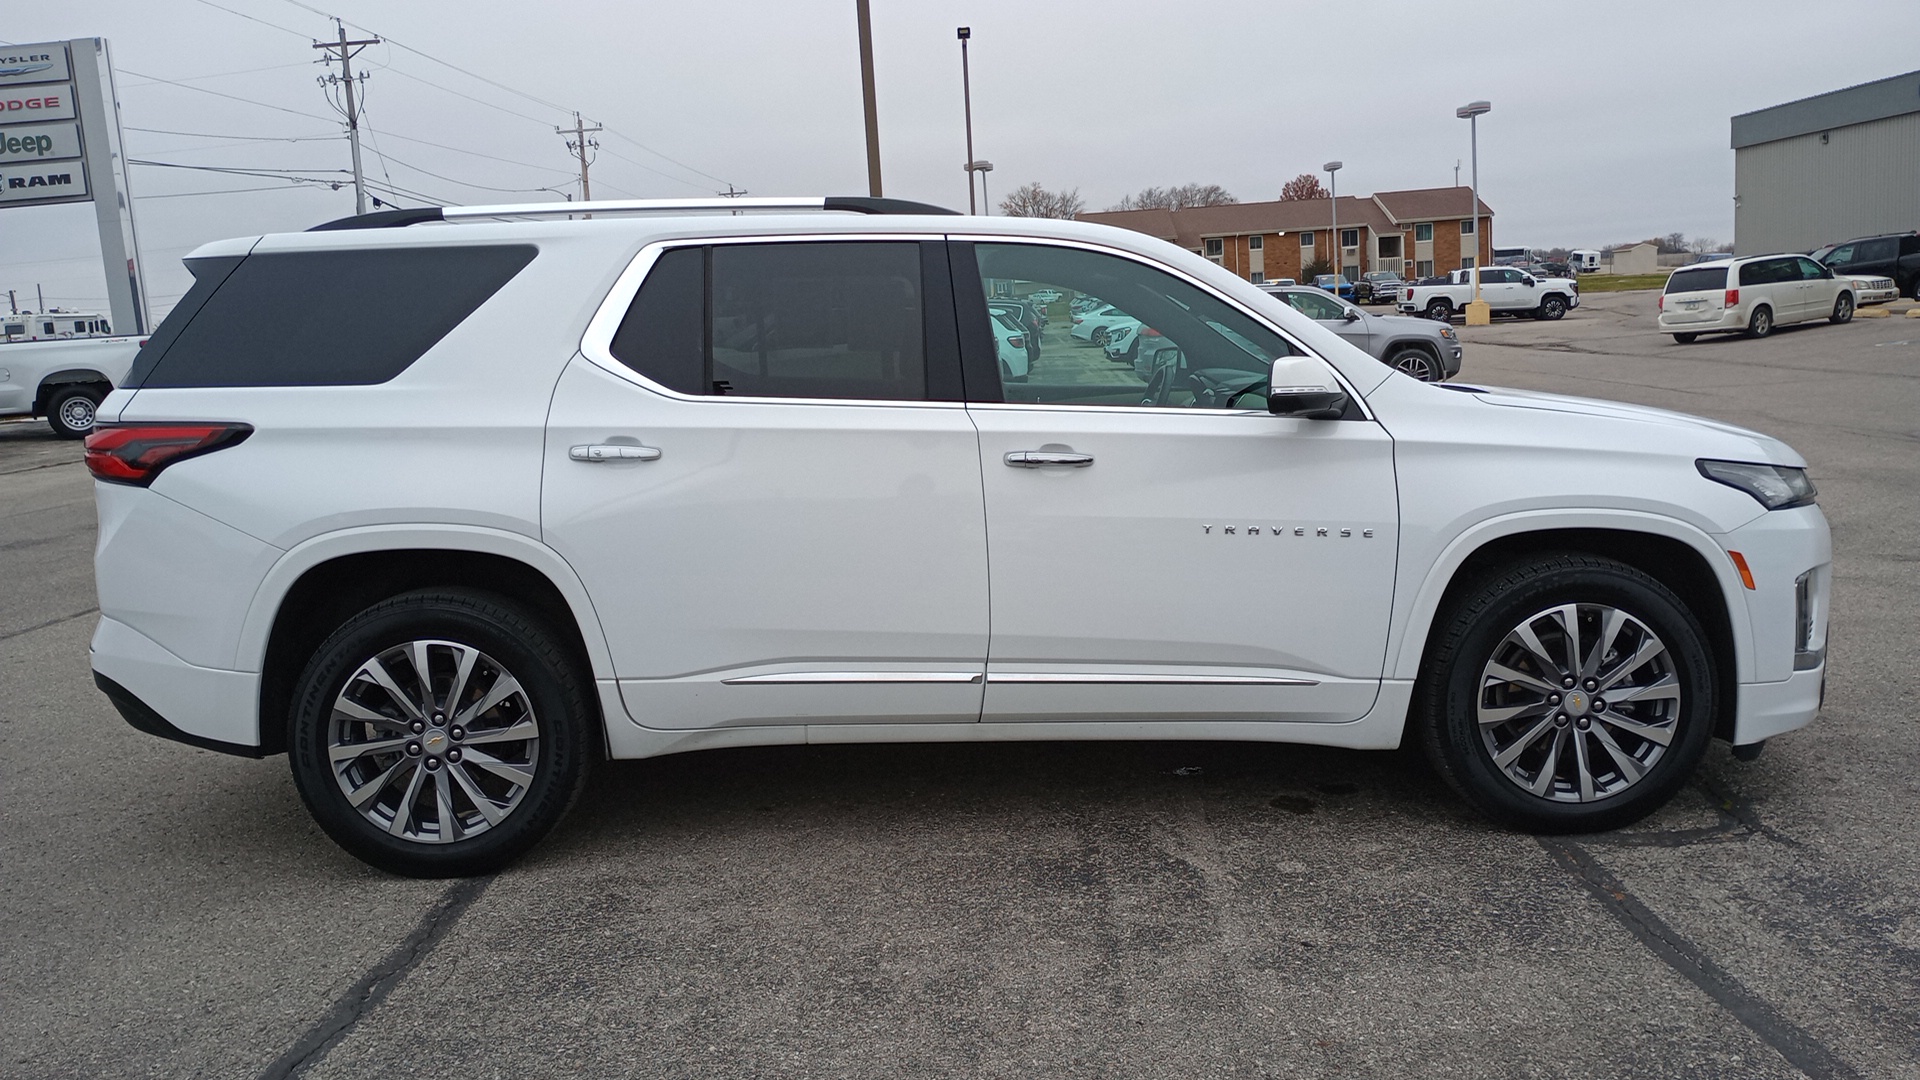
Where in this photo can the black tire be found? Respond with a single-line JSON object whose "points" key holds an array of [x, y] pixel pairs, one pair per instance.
{"points": [[1100, 336], [1842, 309], [556, 691], [1416, 362], [70, 411], [1475, 630], [1439, 310], [1551, 308], [1686, 339], [1760, 323]]}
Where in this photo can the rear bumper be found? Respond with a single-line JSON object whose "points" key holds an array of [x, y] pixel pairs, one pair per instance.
{"points": [[1729, 319], [163, 695]]}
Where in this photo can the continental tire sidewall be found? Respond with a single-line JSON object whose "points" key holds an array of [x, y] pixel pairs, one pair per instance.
{"points": [[520, 641], [1484, 618]]}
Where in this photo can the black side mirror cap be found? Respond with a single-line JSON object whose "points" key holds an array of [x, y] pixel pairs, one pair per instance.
{"points": [[1352, 315], [1308, 403]]}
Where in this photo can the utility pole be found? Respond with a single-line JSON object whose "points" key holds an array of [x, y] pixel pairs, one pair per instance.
{"points": [[11, 304], [1456, 172], [579, 144], [867, 94], [345, 51], [966, 93]]}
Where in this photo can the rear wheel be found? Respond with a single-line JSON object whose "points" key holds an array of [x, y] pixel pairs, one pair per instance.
{"points": [[1567, 693], [1842, 309], [1686, 339], [441, 733], [1440, 311], [1415, 362], [1760, 323], [70, 412]]}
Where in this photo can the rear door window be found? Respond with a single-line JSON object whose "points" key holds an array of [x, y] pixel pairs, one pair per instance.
{"points": [[324, 318], [1706, 279], [842, 319]]}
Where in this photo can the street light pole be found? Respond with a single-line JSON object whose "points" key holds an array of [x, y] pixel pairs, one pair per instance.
{"points": [[981, 168], [966, 93], [868, 98], [1333, 179], [1477, 313]]}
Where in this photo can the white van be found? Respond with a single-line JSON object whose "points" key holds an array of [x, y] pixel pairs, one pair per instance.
{"points": [[1752, 296], [1584, 260]]}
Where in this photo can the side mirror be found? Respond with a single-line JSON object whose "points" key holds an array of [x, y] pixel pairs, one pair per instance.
{"points": [[1352, 315], [1301, 386], [1526, 279]]}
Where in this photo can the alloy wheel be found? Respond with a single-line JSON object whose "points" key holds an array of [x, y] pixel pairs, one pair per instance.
{"points": [[1578, 703], [433, 741]]}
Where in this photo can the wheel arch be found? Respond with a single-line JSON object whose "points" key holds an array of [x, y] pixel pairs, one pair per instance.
{"points": [[319, 584], [53, 382], [1677, 555]]}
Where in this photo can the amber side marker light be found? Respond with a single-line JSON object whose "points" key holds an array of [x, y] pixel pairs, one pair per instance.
{"points": [[135, 453], [1746, 575]]}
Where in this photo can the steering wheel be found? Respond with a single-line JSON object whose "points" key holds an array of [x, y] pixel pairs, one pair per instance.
{"points": [[1213, 392]]}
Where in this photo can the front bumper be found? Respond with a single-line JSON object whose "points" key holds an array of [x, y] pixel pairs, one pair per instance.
{"points": [[1769, 709]]}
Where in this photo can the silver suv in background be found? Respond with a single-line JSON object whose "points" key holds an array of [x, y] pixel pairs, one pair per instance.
{"points": [[1422, 348]]}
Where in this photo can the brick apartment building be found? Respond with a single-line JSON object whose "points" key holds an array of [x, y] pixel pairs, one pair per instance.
{"points": [[1420, 232]]}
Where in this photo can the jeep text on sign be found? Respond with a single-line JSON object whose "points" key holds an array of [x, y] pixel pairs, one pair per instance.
{"points": [[63, 181], [29, 104], [38, 142]]}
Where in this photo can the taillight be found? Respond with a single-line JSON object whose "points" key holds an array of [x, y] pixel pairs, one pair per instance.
{"points": [[1663, 301], [1733, 298], [1150, 332], [135, 453], [1017, 342]]}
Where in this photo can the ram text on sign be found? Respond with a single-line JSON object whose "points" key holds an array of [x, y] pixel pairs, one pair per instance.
{"points": [[28, 104], [33, 64], [64, 181], [38, 142]]}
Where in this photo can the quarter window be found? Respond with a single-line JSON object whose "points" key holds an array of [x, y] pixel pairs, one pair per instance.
{"points": [[822, 320], [1159, 340]]}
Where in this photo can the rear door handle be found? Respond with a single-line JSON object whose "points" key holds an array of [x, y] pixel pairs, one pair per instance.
{"points": [[1033, 459], [613, 452]]}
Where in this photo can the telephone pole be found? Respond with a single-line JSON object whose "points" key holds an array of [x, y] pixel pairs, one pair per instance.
{"points": [[345, 51], [579, 143]]}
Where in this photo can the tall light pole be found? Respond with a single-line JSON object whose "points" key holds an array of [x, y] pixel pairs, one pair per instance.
{"points": [[1333, 180], [867, 96], [966, 93], [981, 168], [1471, 112]]}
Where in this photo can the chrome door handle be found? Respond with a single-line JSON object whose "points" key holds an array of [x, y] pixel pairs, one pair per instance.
{"points": [[613, 452], [1033, 459]]}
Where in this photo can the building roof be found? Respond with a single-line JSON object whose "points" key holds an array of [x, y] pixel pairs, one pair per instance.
{"points": [[1877, 100], [1430, 204], [1189, 226]]}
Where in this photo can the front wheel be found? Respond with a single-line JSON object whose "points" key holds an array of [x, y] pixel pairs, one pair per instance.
{"points": [[1553, 307], [1417, 363], [1686, 339], [1567, 693], [441, 733], [1842, 309], [1440, 311], [71, 412], [1100, 336]]}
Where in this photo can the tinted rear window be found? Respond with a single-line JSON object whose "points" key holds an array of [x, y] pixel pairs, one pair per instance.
{"points": [[328, 318], [1704, 279]]}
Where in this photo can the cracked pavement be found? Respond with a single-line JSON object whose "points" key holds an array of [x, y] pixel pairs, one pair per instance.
{"points": [[1155, 909]]}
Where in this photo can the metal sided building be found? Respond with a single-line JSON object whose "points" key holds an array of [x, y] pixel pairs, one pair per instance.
{"points": [[1828, 168]]}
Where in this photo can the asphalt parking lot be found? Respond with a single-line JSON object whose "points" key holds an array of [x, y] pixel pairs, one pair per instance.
{"points": [[1152, 910]]}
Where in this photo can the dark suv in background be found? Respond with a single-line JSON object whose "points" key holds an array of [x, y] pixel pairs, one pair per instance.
{"points": [[1896, 256]]}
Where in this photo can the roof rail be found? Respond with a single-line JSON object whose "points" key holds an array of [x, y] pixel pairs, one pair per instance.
{"points": [[395, 219]]}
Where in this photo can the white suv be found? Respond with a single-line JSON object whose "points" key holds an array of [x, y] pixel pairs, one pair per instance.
{"points": [[449, 511], [1752, 296]]}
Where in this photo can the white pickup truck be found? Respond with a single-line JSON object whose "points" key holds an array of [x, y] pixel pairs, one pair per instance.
{"points": [[63, 380], [1507, 291]]}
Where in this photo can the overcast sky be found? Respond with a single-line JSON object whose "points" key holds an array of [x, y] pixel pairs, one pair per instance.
{"points": [[1609, 121]]}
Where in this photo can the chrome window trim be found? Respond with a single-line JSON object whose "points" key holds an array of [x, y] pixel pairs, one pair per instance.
{"points": [[596, 344], [1176, 272]]}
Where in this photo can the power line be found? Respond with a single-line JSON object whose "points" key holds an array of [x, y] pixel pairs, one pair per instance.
{"points": [[247, 138], [391, 70], [293, 186], [224, 74], [250, 18], [229, 97], [663, 157]]}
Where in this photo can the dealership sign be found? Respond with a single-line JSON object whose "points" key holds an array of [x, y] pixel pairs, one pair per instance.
{"points": [[60, 143]]}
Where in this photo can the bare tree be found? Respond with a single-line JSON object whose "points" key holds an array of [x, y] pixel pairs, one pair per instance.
{"points": [[1704, 245], [1177, 198], [1304, 186], [1672, 243], [1032, 200]]}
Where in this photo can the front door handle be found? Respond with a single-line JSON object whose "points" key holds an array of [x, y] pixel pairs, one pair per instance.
{"points": [[613, 452], [1033, 459]]}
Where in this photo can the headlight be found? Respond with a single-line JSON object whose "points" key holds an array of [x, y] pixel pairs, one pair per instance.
{"points": [[1776, 487], [1447, 332]]}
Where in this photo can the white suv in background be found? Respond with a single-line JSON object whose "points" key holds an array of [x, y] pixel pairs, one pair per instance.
{"points": [[1752, 296], [446, 504]]}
